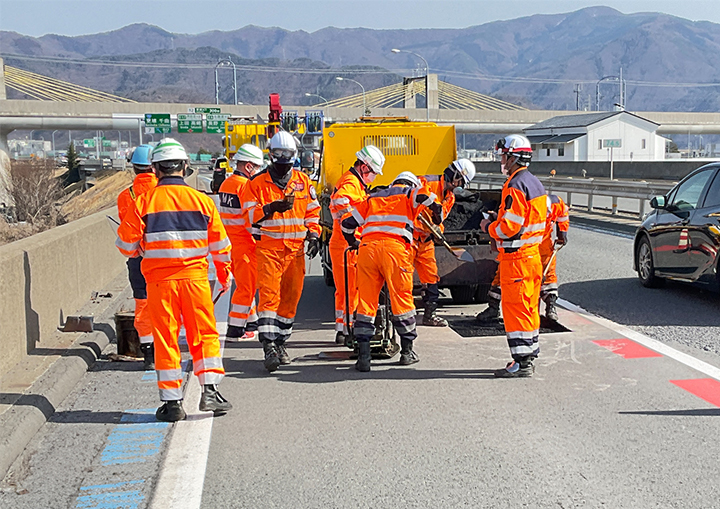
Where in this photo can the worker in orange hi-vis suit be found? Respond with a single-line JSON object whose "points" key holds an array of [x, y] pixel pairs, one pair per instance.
{"points": [[281, 205], [176, 227], [242, 320], [144, 181], [556, 228], [350, 190], [386, 218], [518, 231], [457, 175]]}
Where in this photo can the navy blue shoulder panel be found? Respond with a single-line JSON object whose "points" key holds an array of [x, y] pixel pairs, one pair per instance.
{"points": [[176, 220], [554, 198], [173, 180], [392, 191], [528, 184]]}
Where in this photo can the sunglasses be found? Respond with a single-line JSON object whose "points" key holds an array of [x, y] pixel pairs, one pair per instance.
{"points": [[283, 153]]}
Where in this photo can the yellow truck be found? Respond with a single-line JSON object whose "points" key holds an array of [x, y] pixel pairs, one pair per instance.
{"points": [[424, 148]]}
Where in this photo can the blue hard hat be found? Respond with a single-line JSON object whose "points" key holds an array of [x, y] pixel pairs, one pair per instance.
{"points": [[141, 155]]}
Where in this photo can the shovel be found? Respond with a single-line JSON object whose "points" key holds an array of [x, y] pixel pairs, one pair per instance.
{"points": [[547, 267], [458, 252]]}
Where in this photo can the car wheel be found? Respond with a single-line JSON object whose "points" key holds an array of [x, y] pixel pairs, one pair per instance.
{"points": [[646, 265]]}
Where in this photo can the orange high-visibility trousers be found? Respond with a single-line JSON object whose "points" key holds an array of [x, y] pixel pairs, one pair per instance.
{"points": [[281, 274], [244, 269], [187, 301], [143, 324], [550, 285], [423, 260], [520, 275], [385, 261], [337, 256]]}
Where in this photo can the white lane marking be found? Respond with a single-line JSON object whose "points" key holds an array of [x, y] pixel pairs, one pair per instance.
{"points": [[181, 480], [653, 344]]}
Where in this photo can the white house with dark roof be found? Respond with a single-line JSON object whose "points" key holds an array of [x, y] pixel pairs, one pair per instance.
{"points": [[585, 137]]}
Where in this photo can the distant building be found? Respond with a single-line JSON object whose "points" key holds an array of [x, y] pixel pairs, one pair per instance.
{"points": [[585, 137]]}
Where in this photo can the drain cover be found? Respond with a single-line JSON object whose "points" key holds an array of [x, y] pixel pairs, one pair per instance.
{"points": [[469, 328]]}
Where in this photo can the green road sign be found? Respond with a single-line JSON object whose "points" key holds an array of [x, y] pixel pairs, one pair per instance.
{"points": [[216, 122], [190, 123], [157, 123], [612, 143], [88, 143], [204, 110], [107, 143]]}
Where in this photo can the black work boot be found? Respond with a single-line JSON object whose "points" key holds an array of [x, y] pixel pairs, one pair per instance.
{"points": [[491, 314], [407, 356], [148, 351], [272, 360], [363, 360], [212, 401], [340, 338], [430, 318], [550, 310], [517, 369], [282, 353], [235, 332], [170, 411]]}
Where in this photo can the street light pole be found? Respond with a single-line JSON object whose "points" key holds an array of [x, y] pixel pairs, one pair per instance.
{"points": [[53, 141], [223, 63], [365, 110], [427, 79], [308, 94]]}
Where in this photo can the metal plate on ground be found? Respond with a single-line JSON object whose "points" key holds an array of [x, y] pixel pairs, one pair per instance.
{"points": [[469, 328]]}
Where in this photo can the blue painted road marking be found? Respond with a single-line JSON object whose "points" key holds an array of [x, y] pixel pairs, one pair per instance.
{"points": [[108, 496], [138, 437]]}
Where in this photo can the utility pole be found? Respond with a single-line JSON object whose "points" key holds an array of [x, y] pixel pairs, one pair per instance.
{"points": [[577, 89]]}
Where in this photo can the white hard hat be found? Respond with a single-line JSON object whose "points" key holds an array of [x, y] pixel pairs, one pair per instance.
{"points": [[517, 145], [373, 157], [283, 148], [169, 150], [249, 152], [409, 177], [464, 167]]}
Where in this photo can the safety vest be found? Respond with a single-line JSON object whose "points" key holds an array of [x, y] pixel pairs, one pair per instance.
{"points": [[557, 214], [231, 208], [522, 217], [349, 191], [391, 212], [176, 227], [142, 183], [290, 228], [434, 184]]}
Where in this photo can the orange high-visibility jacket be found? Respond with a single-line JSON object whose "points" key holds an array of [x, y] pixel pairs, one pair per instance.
{"points": [[520, 225], [289, 228], [230, 208], [142, 183], [434, 184], [388, 212], [349, 191], [558, 214], [176, 227]]}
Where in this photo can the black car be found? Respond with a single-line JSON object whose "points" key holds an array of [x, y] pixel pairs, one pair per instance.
{"points": [[680, 239]]}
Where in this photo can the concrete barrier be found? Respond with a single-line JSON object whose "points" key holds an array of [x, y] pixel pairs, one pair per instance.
{"points": [[49, 276]]}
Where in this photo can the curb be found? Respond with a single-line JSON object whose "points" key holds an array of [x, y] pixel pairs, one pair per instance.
{"points": [[601, 222], [20, 423]]}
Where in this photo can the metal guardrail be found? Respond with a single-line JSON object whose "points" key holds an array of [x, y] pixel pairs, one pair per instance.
{"points": [[639, 190]]}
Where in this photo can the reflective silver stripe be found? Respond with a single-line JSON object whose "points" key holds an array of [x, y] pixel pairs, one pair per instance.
{"points": [[405, 315], [126, 246], [499, 232], [388, 229], [513, 218], [524, 349], [311, 220], [345, 230], [269, 329], [548, 287], [520, 242], [207, 363], [176, 235], [234, 222], [563, 219], [282, 222], [430, 200], [339, 327], [248, 204], [254, 231], [340, 201], [176, 253], [267, 314], [168, 375], [219, 245], [237, 308], [285, 320], [340, 213], [285, 235], [358, 217], [365, 318], [221, 257], [523, 334], [210, 378], [146, 340], [375, 218], [171, 394], [533, 228], [239, 322], [339, 313], [312, 205], [229, 210]]}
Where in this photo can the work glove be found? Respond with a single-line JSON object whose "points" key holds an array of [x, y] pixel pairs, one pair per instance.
{"points": [[313, 247], [354, 245], [436, 210], [277, 206], [561, 238]]}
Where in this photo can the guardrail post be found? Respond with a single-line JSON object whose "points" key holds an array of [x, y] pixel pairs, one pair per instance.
{"points": [[642, 208], [614, 206], [569, 199], [590, 201]]}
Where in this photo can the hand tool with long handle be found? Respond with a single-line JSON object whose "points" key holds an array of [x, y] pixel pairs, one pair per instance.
{"points": [[459, 253], [547, 267]]}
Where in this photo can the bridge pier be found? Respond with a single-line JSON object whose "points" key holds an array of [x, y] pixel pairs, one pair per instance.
{"points": [[5, 196]]}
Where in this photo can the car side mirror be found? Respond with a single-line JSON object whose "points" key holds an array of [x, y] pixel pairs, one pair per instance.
{"points": [[307, 159], [658, 202]]}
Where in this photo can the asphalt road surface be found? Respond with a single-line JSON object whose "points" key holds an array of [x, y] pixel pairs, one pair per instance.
{"points": [[605, 421]]}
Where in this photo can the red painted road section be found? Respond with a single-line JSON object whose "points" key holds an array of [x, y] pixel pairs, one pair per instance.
{"points": [[627, 348], [704, 388]]}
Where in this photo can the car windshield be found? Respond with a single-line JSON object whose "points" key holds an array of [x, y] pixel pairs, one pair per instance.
{"points": [[688, 193]]}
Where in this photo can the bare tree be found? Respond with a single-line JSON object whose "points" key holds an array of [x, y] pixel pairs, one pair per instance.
{"points": [[36, 193]]}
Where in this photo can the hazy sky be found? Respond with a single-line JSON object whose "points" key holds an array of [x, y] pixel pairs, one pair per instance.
{"points": [[74, 17]]}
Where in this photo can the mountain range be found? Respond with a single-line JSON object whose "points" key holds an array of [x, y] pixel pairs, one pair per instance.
{"points": [[669, 63]]}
